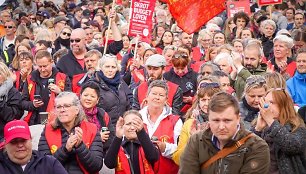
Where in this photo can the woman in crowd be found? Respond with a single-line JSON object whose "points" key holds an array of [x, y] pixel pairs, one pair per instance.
{"points": [[21, 47], [275, 80], [163, 127], [168, 53], [136, 144], [10, 98], [281, 62], [255, 89], [23, 63], [284, 131], [204, 42], [196, 116], [246, 33], [219, 39], [89, 97], [228, 28], [115, 96], [183, 76], [126, 47], [211, 53], [241, 20], [165, 40], [63, 40], [158, 31], [269, 28], [75, 142], [238, 46]]}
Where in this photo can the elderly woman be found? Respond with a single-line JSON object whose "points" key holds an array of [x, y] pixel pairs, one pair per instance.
{"points": [[196, 116], [269, 28], [204, 41], [183, 76], [225, 62], [10, 98], [135, 143], [162, 126], [73, 141], [281, 62], [255, 89], [89, 97], [115, 96], [284, 131], [63, 40]]}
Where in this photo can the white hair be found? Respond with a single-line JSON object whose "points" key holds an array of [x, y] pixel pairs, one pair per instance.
{"points": [[223, 56], [283, 38], [269, 22], [211, 26], [105, 58]]}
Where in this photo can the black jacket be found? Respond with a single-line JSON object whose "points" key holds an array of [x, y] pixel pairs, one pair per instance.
{"points": [[39, 163], [70, 66], [90, 158], [114, 104], [151, 152], [42, 90], [9, 108]]}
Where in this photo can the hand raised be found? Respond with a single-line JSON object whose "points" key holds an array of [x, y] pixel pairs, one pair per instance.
{"points": [[119, 127]]}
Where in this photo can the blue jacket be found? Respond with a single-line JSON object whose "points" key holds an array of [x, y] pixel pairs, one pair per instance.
{"points": [[297, 88], [38, 164]]}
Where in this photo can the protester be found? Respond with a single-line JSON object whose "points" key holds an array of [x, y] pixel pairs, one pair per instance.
{"points": [[63, 39], [70, 139], [269, 28], [196, 117], [225, 132], [162, 126], [115, 96], [284, 131], [135, 152], [89, 98], [8, 40], [18, 156]]}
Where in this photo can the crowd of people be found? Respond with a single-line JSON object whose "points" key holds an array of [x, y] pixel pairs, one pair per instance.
{"points": [[229, 98]]}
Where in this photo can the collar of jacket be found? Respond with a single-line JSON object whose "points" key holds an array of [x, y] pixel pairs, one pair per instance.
{"points": [[261, 68], [35, 76], [300, 76], [101, 82]]}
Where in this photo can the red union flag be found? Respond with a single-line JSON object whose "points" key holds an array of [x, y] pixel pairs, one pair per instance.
{"points": [[141, 19], [192, 14]]}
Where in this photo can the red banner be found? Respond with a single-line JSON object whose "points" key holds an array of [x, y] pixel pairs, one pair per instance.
{"points": [[269, 2], [234, 7], [141, 19], [192, 14]]}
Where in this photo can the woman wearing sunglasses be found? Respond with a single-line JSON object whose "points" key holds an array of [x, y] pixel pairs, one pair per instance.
{"points": [[63, 40], [284, 131], [196, 116]]}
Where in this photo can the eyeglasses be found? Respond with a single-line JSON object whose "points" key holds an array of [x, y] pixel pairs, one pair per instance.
{"points": [[211, 85], [64, 106], [252, 80], [10, 27], [68, 34], [75, 40], [180, 55]]}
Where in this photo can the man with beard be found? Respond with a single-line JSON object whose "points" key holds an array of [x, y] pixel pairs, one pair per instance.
{"points": [[297, 84], [28, 6], [155, 66], [251, 64]]}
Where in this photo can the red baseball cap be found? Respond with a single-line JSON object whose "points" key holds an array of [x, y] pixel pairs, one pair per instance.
{"points": [[16, 129]]}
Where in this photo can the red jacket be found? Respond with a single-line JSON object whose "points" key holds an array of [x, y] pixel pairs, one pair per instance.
{"points": [[54, 138], [76, 88], [123, 166]]}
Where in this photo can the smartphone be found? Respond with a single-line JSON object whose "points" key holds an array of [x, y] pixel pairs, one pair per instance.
{"points": [[37, 97], [50, 81]]}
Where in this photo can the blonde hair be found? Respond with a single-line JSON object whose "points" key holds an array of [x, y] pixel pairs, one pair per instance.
{"points": [[4, 71]]}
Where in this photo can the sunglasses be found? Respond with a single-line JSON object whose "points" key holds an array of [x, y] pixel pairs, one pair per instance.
{"points": [[75, 40], [255, 80], [180, 55], [209, 85], [10, 27], [68, 34]]}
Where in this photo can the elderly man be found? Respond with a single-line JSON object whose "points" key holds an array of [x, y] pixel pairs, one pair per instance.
{"points": [[297, 84], [18, 156], [226, 147]]}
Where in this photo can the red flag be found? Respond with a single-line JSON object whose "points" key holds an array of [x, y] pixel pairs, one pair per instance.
{"points": [[192, 14]]}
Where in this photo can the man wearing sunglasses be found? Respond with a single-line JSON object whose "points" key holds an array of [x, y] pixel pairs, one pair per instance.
{"points": [[8, 40]]}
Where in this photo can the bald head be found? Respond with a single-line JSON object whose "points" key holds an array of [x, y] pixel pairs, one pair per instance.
{"points": [[79, 32]]}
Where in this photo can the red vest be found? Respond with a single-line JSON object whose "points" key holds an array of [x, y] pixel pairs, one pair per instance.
{"points": [[164, 133], [60, 79], [143, 88], [123, 166], [196, 54], [54, 138], [196, 65], [17, 83], [75, 87]]}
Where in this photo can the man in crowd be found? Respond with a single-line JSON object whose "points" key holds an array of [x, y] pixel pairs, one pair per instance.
{"points": [[250, 153], [18, 156], [297, 84], [155, 66], [41, 87], [8, 40], [299, 21], [250, 65]]}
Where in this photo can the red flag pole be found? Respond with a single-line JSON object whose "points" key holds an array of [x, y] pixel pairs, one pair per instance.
{"points": [[109, 26]]}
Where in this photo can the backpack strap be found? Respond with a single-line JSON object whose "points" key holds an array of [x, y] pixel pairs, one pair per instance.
{"points": [[226, 151]]}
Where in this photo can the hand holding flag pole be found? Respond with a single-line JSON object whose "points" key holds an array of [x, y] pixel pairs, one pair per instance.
{"points": [[111, 17]]}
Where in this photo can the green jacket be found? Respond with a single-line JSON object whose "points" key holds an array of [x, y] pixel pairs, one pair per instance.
{"points": [[252, 157], [239, 84]]}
